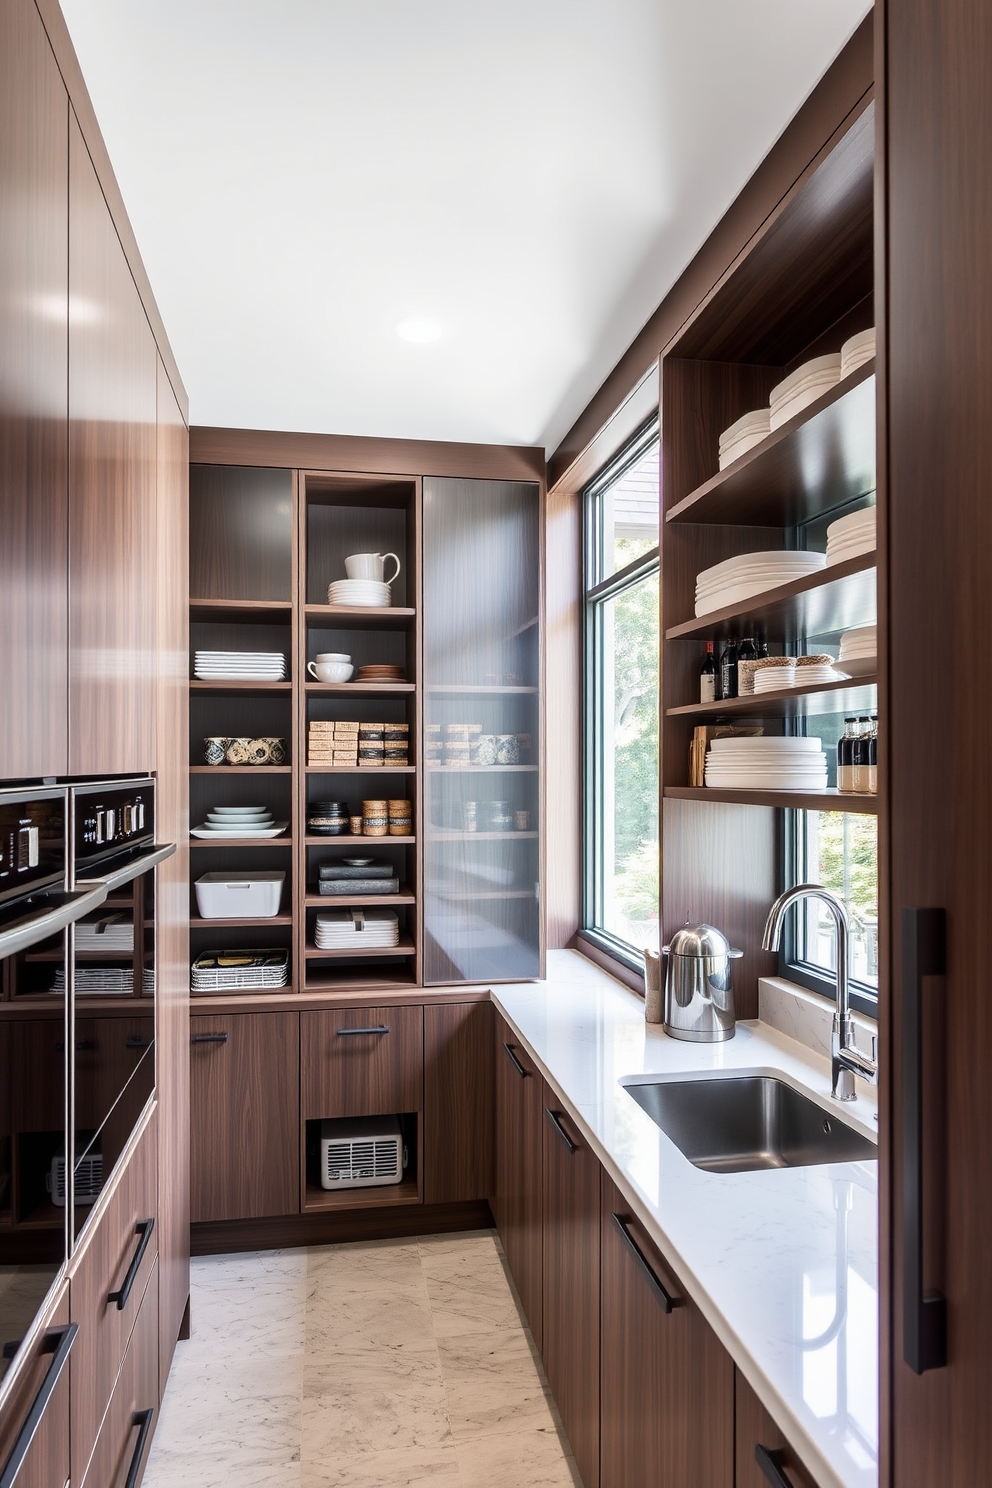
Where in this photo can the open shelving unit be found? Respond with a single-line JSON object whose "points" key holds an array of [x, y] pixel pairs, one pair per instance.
{"points": [[803, 286]]}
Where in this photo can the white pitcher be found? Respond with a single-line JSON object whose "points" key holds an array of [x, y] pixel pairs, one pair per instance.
{"points": [[371, 566]]}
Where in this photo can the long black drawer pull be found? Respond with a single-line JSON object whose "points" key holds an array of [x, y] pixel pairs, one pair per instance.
{"points": [[661, 1292], [58, 1343], [208, 1038], [138, 1043], [354, 1032], [144, 1229], [772, 1465], [924, 1318], [556, 1123], [143, 1420], [523, 1073]]}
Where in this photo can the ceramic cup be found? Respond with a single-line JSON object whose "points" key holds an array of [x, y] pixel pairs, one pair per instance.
{"points": [[277, 751], [371, 566], [330, 671], [215, 751], [507, 749], [238, 751]]}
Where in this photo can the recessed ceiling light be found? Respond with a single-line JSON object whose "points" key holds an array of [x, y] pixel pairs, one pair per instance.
{"points": [[420, 329]]}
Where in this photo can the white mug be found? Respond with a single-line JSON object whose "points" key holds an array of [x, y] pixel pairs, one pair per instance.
{"points": [[332, 656], [371, 566], [330, 671]]}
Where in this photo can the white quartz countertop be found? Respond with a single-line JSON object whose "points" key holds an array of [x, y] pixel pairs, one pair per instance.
{"points": [[783, 1264]]}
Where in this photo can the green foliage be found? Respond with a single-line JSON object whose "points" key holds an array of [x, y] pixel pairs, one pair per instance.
{"points": [[635, 720], [862, 859], [638, 883]]}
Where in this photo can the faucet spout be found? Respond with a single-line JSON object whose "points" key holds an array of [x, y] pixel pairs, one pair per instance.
{"points": [[846, 1059]]}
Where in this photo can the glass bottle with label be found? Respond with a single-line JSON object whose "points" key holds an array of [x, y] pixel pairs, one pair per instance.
{"points": [[728, 670], [707, 676], [873, 756], [860, 760], [845, 756]]}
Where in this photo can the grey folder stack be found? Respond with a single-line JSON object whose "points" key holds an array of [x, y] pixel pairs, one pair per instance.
{"points": [[348, 878]]}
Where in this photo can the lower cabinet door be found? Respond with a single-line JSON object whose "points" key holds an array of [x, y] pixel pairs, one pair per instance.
{"points": [[667, 1381], [571, 1283], [458, 1102], [122, 1446], [244, 1098], [42, 1385], [763, 1454], [518, 1201]]}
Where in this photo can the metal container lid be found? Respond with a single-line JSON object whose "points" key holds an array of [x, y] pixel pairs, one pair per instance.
{"points": [[701, 942]]}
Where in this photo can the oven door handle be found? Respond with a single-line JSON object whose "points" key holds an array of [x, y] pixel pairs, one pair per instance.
{"points": [[148, 860], [22, 936]]}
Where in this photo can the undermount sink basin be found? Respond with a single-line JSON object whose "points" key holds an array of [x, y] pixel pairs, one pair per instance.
{"points": [[736, 1124]]}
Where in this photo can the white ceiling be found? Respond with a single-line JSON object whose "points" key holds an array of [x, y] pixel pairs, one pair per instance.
{"points": [[530, 177]]}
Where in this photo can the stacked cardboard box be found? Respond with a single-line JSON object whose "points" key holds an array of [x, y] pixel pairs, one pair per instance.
{"points": [[332, 743]]}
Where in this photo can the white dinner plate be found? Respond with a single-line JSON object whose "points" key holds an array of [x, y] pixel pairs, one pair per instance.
{"points": [[204, 830]]}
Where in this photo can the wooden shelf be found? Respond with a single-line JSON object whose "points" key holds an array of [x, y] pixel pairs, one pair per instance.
{"points": [[239, 689], [450, 836], [363, 689], [832, 599], [196, 922], [821, 458], [440, 689], [355, 617], [405, 947], [241, 842], [344, 901], [344, 983], [361, 769], [825, 800], [481, 769], [349, 841], [320, 1200], [854, 696], [221, 770], [262, 611]]}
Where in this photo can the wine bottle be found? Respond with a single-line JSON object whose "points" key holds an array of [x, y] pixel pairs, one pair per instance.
{"points": [[707, 676], [728, 670], [859, 754], [873, 756], [845, 755]]}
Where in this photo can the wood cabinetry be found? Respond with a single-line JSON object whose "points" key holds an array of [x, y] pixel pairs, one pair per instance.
{"points": [[112, 458], [122, 1446], [45, 1374], [571, 1332], [365, 1061], [245, 1114], [667, 1393], [518, 1198], [459, 1102], [34, 174], [761, 1446]]}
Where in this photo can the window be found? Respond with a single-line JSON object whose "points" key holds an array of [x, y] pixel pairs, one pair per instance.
{"points": [[840, 851], [621, 715]]}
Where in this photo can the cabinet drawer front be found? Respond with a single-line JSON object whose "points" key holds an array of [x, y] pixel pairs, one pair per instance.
{"points": [[759, 1437], [46, 1459], [108, 1282], [362, 1062], [127, 1427]]}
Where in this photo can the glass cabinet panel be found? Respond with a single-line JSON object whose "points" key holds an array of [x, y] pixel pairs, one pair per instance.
{"points": [[482, 678]]}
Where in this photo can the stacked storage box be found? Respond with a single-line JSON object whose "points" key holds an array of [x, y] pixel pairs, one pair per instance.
{"points": [[333, 743]]}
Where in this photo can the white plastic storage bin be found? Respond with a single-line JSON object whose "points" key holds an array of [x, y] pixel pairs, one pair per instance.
{"points": [[249, 896]]}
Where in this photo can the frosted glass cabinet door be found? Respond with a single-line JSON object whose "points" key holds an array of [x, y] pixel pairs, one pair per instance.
{"points": [[482, 678]]}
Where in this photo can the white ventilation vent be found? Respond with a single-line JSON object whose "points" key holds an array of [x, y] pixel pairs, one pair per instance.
{"points": [[89, 1179], [361, 1154]]}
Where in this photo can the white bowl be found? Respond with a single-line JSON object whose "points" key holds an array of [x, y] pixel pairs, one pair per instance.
{"points": [[239, 811], [331, 671], [331, 656]]}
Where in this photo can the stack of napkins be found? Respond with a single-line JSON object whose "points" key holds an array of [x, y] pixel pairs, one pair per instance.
{"points": [[356, 929], [751, 573], [849, 536], [111, 935], [803, 387], [766, 764], [239, 666], [749, 430], [231, 971], [856, 351], [373, 877]]}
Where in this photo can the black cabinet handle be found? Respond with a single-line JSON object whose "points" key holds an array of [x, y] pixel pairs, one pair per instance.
{"points": [[208, 1038], [144, 1229], [662, 1293], [58, 1342], [138, 1043], [924, 1318], [354, 1032], [556, 1123], [523, 1073], [143, 1420], [772, 1465]]}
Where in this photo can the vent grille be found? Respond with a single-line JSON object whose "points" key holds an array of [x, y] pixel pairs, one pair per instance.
{"points": [[89, 1179], [351, 1162]]}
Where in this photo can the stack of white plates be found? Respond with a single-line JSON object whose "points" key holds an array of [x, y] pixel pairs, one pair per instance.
{"points": [[239, 666], [233, 971], [113, 935], [748, 431], [239, 821], [810, 672], [803, 387], [366, 594], [859, 650], [356, 929], [851, 535], [766, 764], [771, 678], [751, 573], [856, 351]]}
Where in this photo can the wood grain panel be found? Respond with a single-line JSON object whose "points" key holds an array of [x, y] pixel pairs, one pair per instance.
{"points": [[98, 1269], [241, 533], [374, 1074], [172, 909], [136, 1390], [518, 1201], [755, 1427], [667, 1410], [47, 1462], [340, 1227], [571, 1332], [112, 460], [244, 1116], [34, 184], [459, 1102]]}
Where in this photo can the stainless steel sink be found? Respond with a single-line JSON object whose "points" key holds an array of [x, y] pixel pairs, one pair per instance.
{"points": [[735, 1124]]}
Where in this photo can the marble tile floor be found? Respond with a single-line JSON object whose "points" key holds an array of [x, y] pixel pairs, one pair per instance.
{"points": [[391, 1364]]}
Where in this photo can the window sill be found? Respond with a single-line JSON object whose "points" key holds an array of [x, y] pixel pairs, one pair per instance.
{"points": [[806, 1016], [595, 951]]}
